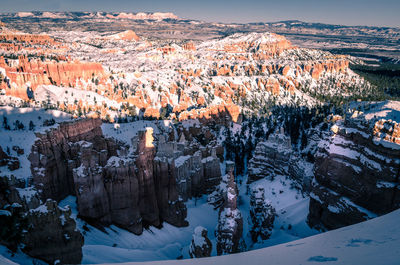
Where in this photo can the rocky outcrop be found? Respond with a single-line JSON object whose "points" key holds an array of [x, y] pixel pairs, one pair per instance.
{"points": [[124, 190], [189, 46], [195, 169], [46, 231], [32, 73], [200, 246], [222, 114], [230, 222], [276, 157], [270, 158], [53, 157], [128, 35], [356, 174], [52, 235], [146, 186], [28, 38], [262, 215]]}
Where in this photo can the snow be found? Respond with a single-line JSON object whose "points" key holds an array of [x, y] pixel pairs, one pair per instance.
{"points": [[127, 131], [40, 209], [62, 219], [198, 238], [5, 213], [372, 242], [116, 161], [385, 184], [69, 95], [389, 110], [27, 193], [80, 171], [181, 160], [336, 147], [24, 138], [169, 242]]}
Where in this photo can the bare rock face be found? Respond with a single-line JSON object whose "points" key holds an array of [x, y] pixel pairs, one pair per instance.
{"points": [[200, 245], [230, 222], [270, 157], [36, 72], [356, 175], [46, 230], [276, 157], [146, 186], [52, 158], [211, 172], [129, 190], [52, 235], [262, 215]]}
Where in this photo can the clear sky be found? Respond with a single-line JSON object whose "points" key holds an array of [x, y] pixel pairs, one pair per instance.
{"points": [[344, 12]]}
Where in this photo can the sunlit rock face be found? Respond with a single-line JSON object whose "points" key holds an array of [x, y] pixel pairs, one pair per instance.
{"points": [[33, 73]]}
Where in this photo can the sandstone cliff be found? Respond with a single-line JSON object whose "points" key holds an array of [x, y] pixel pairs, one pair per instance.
{"points": [[356, 174], [145, 185]]}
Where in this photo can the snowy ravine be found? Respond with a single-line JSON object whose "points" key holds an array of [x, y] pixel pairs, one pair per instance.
{"points": [[117, 245], [375, 241], [372, 242]]}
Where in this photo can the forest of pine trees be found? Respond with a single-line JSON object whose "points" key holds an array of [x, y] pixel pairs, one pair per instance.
{"points": [[296, 121]]}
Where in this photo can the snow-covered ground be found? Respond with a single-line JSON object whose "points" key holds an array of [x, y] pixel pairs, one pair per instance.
{"points": [[372, 242], [126, 131], [291, 209], [169, 242]]}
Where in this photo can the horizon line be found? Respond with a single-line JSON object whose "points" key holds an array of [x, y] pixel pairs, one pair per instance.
{"points": [[200, 20]]}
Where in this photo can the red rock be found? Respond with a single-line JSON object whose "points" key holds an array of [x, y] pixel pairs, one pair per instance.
{"points": [[189, 46]]}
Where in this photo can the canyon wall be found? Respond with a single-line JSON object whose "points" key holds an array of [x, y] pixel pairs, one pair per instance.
{"points": [[145, 186], [32, 73], [356, 174]]}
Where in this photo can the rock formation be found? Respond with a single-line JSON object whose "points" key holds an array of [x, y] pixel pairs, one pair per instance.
{"points": [[270, 157], [27, 38], [200, 246], [262, 215], [230, 223], [53, 158], [144, 187], [36, 72], [276, 157], [52, 235], [356, 174], [128, 35], [46, 231]]}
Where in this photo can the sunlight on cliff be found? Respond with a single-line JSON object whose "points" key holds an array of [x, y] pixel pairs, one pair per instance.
{"points": [[149, 137]]}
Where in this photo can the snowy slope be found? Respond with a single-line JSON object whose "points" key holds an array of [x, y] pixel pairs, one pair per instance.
{"points": [[24, 138], [372, 242]]}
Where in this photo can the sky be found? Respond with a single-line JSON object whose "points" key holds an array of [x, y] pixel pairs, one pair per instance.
{"points": [[343, 12]]}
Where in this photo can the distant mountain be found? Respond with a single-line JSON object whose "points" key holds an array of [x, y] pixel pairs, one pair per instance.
{"points": [[86, 15]]}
